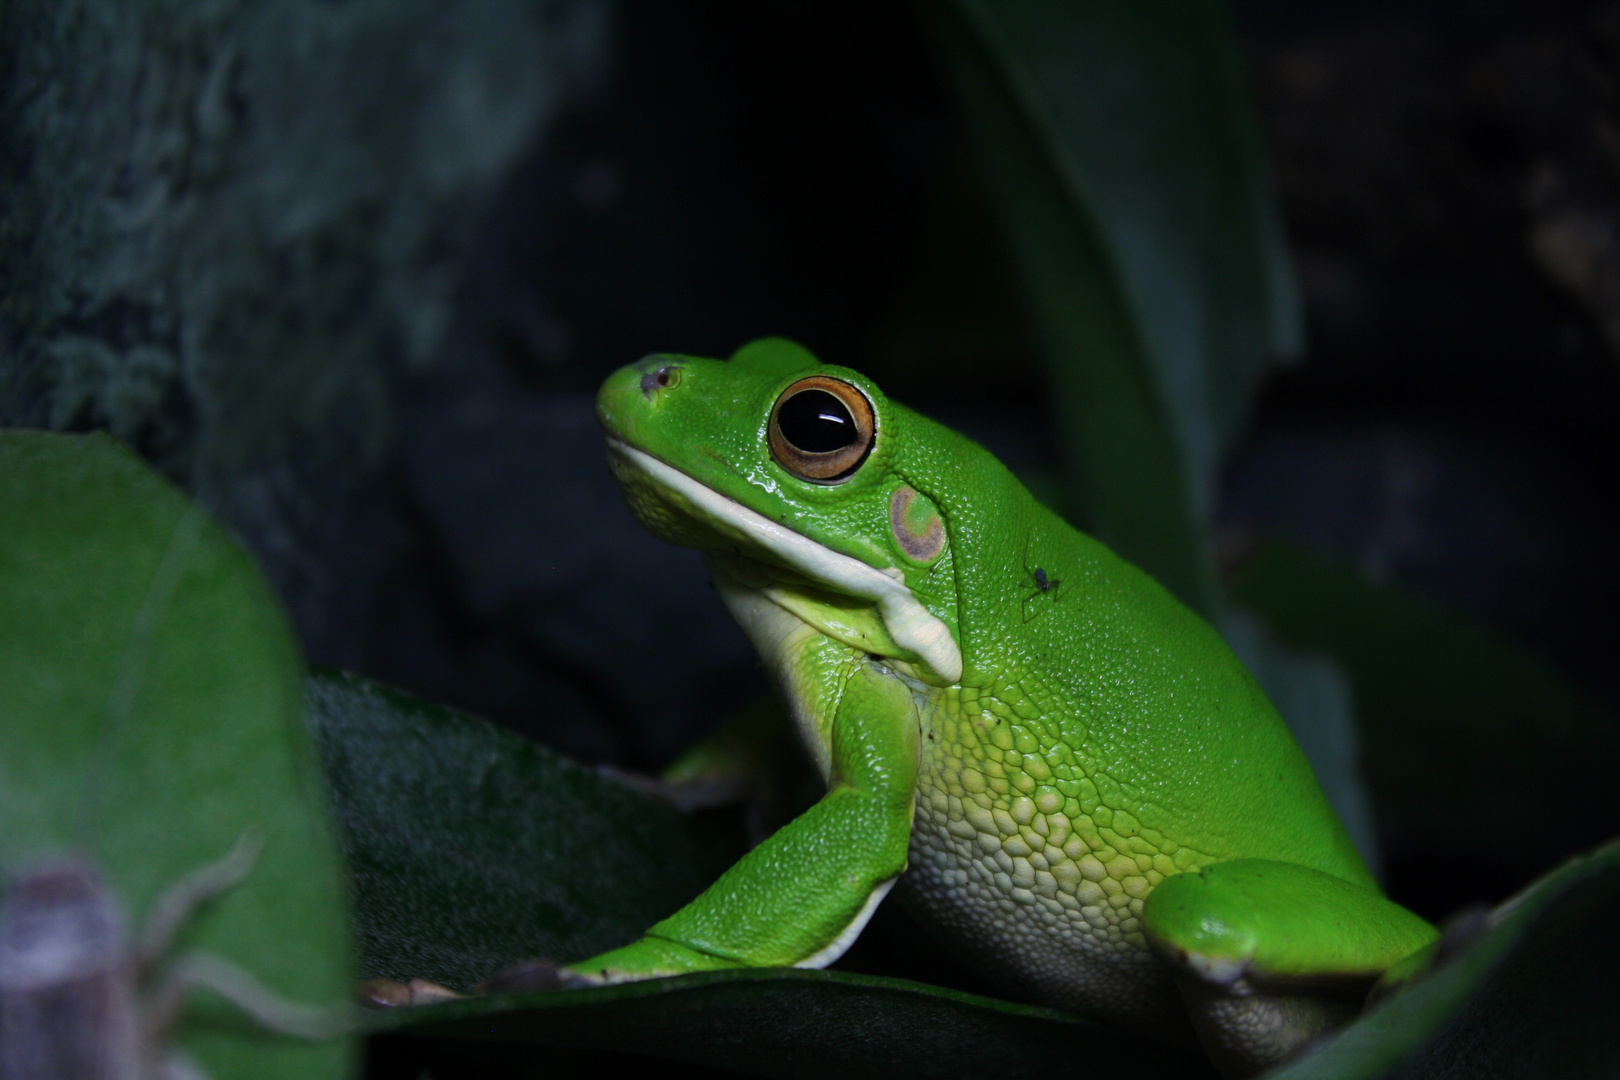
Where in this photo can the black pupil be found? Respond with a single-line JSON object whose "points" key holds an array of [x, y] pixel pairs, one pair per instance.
{"points": [[816, 422]]}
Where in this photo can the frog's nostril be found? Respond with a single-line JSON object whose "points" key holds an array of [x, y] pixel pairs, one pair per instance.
{"points": [[660, 378]]}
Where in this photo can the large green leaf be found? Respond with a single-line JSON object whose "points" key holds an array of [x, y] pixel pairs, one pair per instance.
{"points": [[1118, 139], [151, 715]]}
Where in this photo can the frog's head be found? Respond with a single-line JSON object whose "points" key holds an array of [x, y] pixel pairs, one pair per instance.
{"points": [[791, 476]]}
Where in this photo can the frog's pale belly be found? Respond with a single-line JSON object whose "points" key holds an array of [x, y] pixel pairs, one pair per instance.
{"points": [[1015, 852], [1014, 855]]}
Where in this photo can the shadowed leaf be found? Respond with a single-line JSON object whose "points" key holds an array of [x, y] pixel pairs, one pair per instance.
{"points": [[472, 849], [1118, 140], [787, 1023]]}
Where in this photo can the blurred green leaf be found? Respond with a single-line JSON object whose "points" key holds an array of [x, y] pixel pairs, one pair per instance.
{"points": [[151, 714], [1468, 742], [1535, 997], [1118, 139], [472, 849]]}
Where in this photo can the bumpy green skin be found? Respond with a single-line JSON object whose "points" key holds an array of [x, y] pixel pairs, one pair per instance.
{"points": [[1102, 739]]}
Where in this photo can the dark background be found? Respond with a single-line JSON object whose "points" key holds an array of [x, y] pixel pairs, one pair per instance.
{"points": [[351, 272]]}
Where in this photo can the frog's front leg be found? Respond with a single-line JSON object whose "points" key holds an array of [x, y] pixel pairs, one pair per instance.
{"points": [[1270, 955], [800, 898]]}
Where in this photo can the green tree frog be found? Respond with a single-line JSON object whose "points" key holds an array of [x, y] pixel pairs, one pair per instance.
{"points": [[1067, 772]]}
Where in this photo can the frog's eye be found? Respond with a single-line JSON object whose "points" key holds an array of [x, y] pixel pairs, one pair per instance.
{"points": [[821, 429]]}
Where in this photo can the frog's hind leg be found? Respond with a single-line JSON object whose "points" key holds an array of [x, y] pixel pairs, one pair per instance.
{"points": [[1271, 955]]}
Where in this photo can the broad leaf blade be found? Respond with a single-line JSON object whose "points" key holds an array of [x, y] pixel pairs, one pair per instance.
{"points": [[151, 715], [1128, 168], [472, 849], [786, 1023]]}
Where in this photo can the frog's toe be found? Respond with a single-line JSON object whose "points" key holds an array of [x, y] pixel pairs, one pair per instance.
{"points": [[648, 958], [389, 994], [537, 974]]}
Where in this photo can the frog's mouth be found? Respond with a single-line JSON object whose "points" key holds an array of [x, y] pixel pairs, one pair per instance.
{"points": [[832, 592]]}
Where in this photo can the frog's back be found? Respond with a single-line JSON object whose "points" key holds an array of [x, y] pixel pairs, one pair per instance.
{"points": [[1103, 738]]}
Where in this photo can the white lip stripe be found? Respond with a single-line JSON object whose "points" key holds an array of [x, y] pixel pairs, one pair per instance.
{"points": [[911, 625]]}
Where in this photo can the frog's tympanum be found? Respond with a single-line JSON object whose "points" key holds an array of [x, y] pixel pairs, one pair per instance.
{"points": [[1066, 772]]}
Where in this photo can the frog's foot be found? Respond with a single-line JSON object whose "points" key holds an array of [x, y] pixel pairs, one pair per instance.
{"points": [[390, 994], [749, 760], [1272, 955], [393, 994], [538, 974], [649, 958]]}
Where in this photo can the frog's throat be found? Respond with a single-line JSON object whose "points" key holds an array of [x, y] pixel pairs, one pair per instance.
{"points": [[912, 626]]}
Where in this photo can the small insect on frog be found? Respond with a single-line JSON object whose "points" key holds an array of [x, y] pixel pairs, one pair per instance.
{"points": [[79, 1000], [1045, 584]]}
